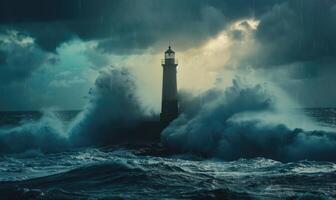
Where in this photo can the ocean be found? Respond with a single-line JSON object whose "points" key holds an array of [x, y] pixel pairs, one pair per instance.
{"points": [[130, 172]]}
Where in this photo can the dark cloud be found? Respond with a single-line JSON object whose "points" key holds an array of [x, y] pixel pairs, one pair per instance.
{"points": [[289, 30], [294, 31], [19, 57], [294, 35], [297, 49], [15, 11], [124, 26]]}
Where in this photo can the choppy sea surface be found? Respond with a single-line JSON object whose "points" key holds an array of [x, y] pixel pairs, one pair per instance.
{"points": [[119, 172]]}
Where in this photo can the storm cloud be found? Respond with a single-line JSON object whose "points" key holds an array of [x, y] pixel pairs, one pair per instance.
{"points": [[304, 27], [124, 25], [298, 31], [294, 38], [19, 56]]}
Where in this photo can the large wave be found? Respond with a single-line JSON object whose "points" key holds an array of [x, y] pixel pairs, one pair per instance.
{"points": [[242, 121], [245, 121], [46, 134], [113, 110]]}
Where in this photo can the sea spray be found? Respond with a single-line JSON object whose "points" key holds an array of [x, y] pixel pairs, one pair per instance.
{"points": [[112, 111], [46, 134], [242, 121], [114, 108], [246, 120]]}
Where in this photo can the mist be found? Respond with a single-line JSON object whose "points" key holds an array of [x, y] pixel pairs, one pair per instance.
{"points": [[248, 120]]}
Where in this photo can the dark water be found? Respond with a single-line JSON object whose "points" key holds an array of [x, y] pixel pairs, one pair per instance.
{"points": [[126, 173]]}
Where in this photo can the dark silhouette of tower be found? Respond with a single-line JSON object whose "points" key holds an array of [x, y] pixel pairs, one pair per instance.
{"points": [[169, 109]]}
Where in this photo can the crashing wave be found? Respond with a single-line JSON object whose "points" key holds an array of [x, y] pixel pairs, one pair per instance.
{"points": [[247, 121]]}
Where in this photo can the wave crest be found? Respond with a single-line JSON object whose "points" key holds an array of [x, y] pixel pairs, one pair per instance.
{"points": [[246, 121]]}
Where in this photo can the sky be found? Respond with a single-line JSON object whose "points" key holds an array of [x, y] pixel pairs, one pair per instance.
{"points": [[51, 52]]}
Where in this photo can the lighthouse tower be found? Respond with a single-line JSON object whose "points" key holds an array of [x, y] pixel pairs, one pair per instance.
{"points": [[169, 109]]}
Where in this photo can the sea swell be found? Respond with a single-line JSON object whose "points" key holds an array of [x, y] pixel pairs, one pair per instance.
{"points": [[128, 176]]}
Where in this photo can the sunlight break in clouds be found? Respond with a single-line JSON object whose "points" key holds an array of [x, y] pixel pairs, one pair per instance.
{"points": [[198, 68]]}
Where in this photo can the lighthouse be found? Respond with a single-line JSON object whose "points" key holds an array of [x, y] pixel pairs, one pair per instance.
{"points": [[169, 106]]}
